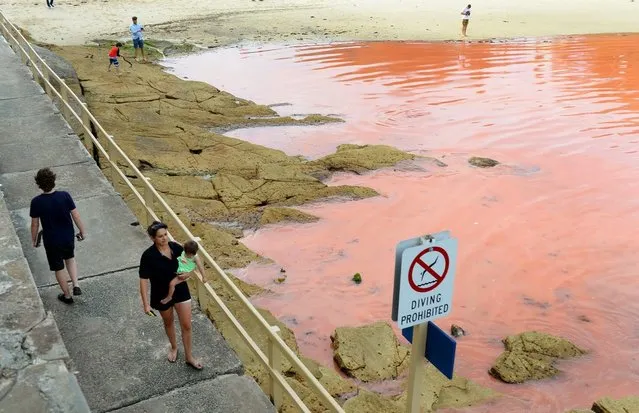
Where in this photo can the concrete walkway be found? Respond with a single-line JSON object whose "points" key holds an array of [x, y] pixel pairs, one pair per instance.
{"points": [[116, 351]]}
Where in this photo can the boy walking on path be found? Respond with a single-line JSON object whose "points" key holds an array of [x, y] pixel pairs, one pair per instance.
{"points": [[138, 40], [56, 211]]}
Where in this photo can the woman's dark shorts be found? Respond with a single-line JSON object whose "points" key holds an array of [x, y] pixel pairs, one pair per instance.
{"points": [[180, 295], [56, 254]]}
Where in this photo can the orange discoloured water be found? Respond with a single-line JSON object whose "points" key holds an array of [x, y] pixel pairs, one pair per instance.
{"points": [[547, 239]]}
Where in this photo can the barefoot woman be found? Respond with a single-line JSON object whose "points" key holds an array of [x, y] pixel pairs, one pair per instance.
{"points": [[157, 266]]}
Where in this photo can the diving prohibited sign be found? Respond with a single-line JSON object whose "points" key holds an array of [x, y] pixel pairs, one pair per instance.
{"points": [[424, 279], [420, 269]]}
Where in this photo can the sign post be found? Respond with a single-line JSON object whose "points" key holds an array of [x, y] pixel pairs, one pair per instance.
{"points": [[423, 291], [416, 368]]}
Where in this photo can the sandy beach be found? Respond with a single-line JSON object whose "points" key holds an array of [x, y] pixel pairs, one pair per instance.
{"points": [[223, 22]]}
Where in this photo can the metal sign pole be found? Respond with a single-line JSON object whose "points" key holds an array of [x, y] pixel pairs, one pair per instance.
{"points": [[416, 369]]}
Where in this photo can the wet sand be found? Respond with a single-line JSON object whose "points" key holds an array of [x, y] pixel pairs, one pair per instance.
{"points": [[221, 22], [546, 240]]}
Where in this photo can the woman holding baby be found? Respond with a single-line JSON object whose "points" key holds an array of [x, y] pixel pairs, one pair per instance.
{"points": [[158, 266]]}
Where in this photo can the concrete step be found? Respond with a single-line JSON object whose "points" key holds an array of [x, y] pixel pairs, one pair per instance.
{"points": [[225, 394]]}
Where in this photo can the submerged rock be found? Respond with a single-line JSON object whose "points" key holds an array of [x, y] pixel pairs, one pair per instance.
{"points": [[482, 162], [457, 331], [369, 353], [532, 356]]}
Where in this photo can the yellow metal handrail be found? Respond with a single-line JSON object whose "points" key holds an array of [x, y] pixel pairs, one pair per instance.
{"points": [[278, 386]]}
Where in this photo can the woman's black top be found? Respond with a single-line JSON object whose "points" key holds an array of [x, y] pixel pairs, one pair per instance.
{"points": [[160, 270]]}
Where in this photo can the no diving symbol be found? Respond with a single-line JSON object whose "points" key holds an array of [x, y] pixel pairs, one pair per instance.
{"points": [[423, 274]]}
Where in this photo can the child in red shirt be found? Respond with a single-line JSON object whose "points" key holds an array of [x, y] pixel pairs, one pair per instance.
{"points": [[114, 53]]}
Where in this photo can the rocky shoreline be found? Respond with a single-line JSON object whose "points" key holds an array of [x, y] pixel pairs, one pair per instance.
{"points": [[220, 186]]}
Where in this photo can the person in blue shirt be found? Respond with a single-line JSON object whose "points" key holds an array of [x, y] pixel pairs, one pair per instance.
{"points": [[138, 40], [57, 212]]}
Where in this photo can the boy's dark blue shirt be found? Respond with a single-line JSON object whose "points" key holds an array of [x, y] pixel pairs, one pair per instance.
{"points": [[54, 211]]}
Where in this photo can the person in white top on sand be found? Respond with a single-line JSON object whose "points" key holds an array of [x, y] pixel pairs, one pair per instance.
{"points": [[465, 17]]}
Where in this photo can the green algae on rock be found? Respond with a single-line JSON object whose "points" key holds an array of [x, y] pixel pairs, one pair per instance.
{"points": [[273, 215], [579, 411], [461, 392], [359, 158], [438, 392], [628, 404], [532, 356], [482, 162], [369, 353], [368, 402]]}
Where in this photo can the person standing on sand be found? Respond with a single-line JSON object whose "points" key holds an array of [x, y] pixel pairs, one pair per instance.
{"points": [[465, 17], [57, 213], [138, 40], [50, 3]]}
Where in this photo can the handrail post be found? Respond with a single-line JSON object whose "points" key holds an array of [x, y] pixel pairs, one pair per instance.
{"points": [[32, 65], [47, 82], [86, 121], [84, 114], [65, 100], [23, 53], [275, 362], [148, 201], [113, 159]]}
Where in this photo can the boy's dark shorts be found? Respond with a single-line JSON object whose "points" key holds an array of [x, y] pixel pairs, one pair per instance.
{"points": [[56, 254], [114, 61]]}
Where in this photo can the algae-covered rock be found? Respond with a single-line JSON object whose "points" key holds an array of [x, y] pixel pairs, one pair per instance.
{"points": [[274, 215], [482, 162], [532, 356], [334, 383], [368, 402], [361, 158], [461, 392], [369, 353], [626, 405], [184, 186], [438, 392]]}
